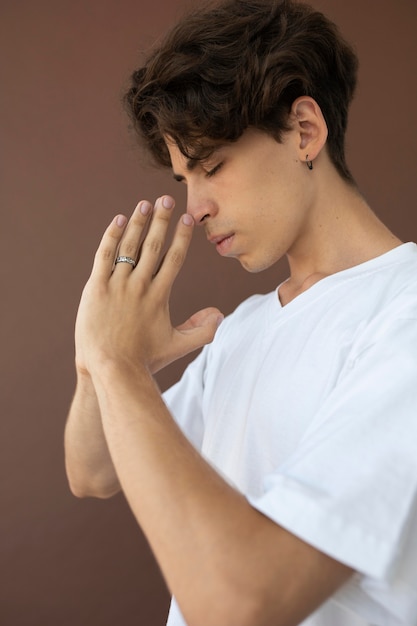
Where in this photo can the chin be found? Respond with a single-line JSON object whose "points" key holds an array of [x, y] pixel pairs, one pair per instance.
{"points": [[254, 267]]}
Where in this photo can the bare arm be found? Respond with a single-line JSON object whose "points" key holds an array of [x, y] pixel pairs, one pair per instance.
{"points": [[89, 466], [225, 562]]}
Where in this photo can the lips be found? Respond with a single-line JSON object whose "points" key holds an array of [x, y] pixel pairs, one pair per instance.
{"points": [[219, 238], [223, 243]]}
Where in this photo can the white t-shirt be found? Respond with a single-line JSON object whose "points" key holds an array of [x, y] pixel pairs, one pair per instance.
{"points": [[310, 410]]}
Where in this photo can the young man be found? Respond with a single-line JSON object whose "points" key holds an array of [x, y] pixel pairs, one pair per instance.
{"points": [[276, 482]]}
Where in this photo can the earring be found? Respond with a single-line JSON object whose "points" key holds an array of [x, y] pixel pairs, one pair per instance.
{"points": [[309, 163]]}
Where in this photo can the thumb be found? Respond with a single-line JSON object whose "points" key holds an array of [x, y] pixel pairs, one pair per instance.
{"points": [[201, 327], [193, 334]]}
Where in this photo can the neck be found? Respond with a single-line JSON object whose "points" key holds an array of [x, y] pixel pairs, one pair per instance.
{"points": [[340, 231]]}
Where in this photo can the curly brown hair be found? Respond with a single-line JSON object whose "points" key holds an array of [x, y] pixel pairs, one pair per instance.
{"points": [[234, 64]]}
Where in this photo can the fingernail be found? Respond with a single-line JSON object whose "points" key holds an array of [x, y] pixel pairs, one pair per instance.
{"points": [[187, 220], [145, 207], [167, 202], [121, 220]]}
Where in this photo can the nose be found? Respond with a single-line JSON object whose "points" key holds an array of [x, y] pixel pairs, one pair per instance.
{"points": [[199, 205]]}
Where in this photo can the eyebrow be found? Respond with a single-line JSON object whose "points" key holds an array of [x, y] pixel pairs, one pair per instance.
{"points": [[191, 164]]}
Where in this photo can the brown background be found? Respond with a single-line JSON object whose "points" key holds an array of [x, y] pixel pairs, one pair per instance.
{"points": [[67, 166]]}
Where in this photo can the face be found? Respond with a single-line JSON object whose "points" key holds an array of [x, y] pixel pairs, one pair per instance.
{"points": [[250, 196]]}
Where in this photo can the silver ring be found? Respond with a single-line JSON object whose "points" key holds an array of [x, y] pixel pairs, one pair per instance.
{"points": [[126, 259]]}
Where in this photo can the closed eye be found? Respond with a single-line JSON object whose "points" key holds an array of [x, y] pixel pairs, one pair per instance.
{"points": [[214, 170]]}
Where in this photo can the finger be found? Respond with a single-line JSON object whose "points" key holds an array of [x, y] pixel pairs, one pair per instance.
{"points": [[154, 241], [106, 252], [129, 246], [176, 254]]}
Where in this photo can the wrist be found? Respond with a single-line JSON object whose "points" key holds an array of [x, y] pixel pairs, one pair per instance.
{"points": [[110, 371], [124, 388], [85, 383], [83, 375]]}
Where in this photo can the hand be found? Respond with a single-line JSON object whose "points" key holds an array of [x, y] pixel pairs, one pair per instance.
{"points": [[124, 310]]}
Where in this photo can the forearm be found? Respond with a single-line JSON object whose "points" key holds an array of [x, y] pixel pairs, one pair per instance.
{"points": [[222, 559], [226, 563], [170, 488], [89, 467]]}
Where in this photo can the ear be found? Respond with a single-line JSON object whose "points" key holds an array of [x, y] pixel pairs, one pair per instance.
{"points": [[311, 127]]}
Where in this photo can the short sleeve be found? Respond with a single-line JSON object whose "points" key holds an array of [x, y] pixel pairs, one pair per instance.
{"points": [[184, 400], [350, 487]]}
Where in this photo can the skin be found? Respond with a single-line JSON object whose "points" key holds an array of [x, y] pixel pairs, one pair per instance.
{"points": [[257, 200]]}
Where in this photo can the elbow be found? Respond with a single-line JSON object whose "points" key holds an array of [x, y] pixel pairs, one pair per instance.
{"points": [[234, 610], [78, 491], [102, 487], [237, 616], [92, 491], [234, 617]]}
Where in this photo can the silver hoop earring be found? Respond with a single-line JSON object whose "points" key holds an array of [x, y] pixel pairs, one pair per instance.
{"points": [[309, 163]]}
